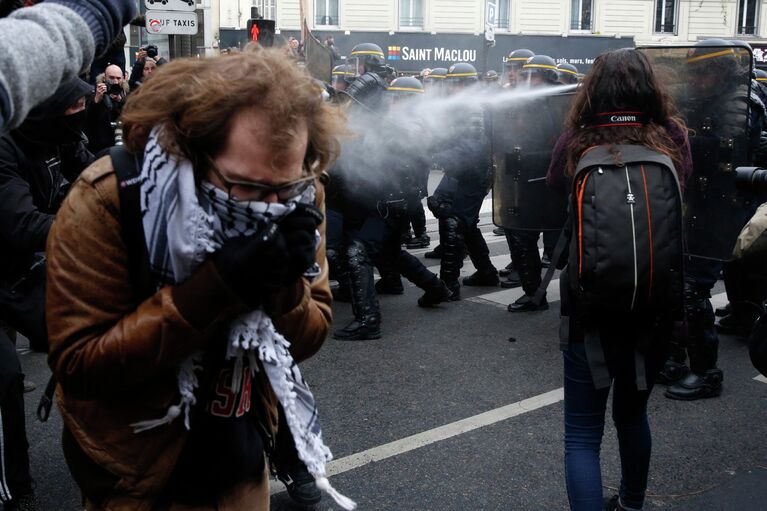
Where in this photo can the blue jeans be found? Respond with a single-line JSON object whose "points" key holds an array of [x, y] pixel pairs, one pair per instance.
{"points": [[584, 427]]}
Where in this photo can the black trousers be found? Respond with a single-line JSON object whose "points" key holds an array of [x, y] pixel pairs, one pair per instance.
{"points": [[22, 306], [14, 457], [524, 255]]}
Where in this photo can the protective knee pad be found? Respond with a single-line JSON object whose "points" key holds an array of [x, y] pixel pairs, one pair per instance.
{"points": [[357, 254]]}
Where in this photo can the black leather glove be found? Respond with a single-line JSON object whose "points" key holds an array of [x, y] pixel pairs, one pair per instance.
{"points": [[248, 264], [298, 229]]}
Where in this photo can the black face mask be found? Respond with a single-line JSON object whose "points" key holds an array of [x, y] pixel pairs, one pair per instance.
{"points": [[63, 129]]}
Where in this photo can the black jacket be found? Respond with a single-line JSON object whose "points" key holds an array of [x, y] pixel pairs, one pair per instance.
{"points": [[33, 183], [98, 125]]}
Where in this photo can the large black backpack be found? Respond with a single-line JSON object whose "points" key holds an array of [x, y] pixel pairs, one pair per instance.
{"points": [[627, 232], [626, 248]]}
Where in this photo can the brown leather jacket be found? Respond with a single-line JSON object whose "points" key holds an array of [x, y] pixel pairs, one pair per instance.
{"points": [[115, 357]]}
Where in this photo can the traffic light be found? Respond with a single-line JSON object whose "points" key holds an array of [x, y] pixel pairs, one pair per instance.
{"points": [[261, 31]]}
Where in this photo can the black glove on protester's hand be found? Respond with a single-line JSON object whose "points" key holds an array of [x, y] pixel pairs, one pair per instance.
{"points": [[248, 264], [298, 229]]}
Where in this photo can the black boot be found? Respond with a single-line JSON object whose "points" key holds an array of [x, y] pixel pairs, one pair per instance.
{"points": [[390, 284], [613, 504], [525, 304], [740, 320], [546, 260], [300, 485], [499, 231], [455, 290], [695, 386], [506, 270], [720, 312], [484, 277], [672, 372], [437, 293], [511, 281], [421, 241], [435, 253], [367, 316]]}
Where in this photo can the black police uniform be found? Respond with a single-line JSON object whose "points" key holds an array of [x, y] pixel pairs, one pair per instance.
{"points": [[458, 198]]}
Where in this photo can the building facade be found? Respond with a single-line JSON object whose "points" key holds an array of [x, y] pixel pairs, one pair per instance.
{"points": [[647, 21]]}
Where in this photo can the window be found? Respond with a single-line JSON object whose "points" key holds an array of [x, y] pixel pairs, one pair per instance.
{"points": [[326, 12], [411, 13], [580, 17], [665, 16], [748, 12], [265, 8], [502, 17]]}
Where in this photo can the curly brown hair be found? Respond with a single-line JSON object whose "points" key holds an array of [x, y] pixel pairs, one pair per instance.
{"points": [[622, 80], [194, 101]]}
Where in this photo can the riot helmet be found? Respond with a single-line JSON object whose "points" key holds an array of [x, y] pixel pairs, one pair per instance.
{"points": [[342, 76], [366, 58], [512, 64], [434, 80], [567, 73], [404, 88], [760, 76], [490, 78], [539, 70], [712, 64], [461, 75]]}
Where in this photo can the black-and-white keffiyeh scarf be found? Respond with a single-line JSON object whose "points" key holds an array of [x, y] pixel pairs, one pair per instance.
{"points": [[183, 224]]}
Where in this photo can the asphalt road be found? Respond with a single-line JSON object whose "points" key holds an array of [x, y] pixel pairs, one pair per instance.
{"points": [[394, 413]]}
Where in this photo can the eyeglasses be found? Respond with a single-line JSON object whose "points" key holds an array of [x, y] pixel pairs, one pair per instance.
{"points": [[254, 191]]}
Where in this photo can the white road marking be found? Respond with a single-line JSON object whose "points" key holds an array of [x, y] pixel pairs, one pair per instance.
{"points": [[761, 378], [438, 434]]}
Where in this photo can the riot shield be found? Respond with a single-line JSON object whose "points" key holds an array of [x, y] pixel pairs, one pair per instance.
{"points": [[524, 133], [710, 86], [319, 58]]}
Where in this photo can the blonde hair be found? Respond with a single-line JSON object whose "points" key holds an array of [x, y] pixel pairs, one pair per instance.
{"points": [[194, 101]]}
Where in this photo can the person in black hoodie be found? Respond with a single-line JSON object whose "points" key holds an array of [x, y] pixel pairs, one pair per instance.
{"points": [[38, 160]]}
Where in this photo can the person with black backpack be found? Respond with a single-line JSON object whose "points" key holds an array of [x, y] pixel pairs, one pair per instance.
{"points": [[624, 156]]}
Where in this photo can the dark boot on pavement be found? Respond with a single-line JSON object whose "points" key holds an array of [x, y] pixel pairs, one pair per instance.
{"points": [[740, 320], [421, 241], [720, 312], [613, 504], [506, 270], [437, 294], [455, 290], [390, 285], [672, 372], [435, 253], [695, 386], [300, 485], [511, 281], [499, 231], [483, 277], [546, 261], [525, 304]]}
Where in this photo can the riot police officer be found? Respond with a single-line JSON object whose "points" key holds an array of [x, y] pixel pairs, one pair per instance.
{"points": [[512, 65], [341, 77], [458, 198], [374, 202], [434, 81], [368, 64], [538, 71], [567, 74], [725, 130]]}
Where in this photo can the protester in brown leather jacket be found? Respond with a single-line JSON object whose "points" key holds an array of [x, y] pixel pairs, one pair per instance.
{"points": [[247, 132]]}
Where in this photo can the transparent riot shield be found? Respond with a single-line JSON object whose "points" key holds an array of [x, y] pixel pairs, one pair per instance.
{"points": [[524, 134], [710, 85]]}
